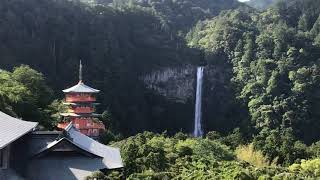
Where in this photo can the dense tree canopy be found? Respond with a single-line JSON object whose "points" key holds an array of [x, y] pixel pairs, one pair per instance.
{"points": [[275, 65], [24, 93], [117, 48], [118, 45], [177, 16], [158, 156], [270, 59], [264, 67]]}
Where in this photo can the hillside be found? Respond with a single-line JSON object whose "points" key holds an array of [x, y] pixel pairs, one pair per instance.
{"points": [[120, 47], [261, 80], [179, 15], [147, 73], [275, 65]]}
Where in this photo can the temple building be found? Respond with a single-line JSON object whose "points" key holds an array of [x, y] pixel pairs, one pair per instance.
{"points": [[81, 102], [29, 154]]}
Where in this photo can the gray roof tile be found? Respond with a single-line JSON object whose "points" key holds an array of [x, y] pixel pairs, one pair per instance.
{"points": [[81, 88], [13, 128], [111, 156]]}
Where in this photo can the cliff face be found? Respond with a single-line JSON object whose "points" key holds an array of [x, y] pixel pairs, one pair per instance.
{"points": [[178, 85], [174, 83]]}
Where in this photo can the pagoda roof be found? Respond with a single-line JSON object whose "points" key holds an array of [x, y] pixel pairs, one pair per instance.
{"points": [[81, 88], [71, 114], [95, 125], [80, 103], [13, 128], [111, 156]]}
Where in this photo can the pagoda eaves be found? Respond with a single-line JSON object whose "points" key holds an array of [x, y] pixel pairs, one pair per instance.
{"points": [[80, 114], [81, 88]]}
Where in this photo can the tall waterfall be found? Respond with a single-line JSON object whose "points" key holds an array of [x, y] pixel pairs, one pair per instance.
{"points": [[197, 119]]}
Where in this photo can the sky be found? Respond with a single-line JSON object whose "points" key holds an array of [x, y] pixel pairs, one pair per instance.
{"points": [[243, 0]]}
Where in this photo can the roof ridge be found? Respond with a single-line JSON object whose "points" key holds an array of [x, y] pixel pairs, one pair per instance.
{"points": [[55, 142], [13, 128], [96, 147], [81, 87]]}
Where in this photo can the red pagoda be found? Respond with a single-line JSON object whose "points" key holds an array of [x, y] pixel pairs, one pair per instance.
{"points": [[81, 102]]}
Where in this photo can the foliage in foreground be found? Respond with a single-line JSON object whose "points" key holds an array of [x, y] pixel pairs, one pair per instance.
{"points": [[157, 156], [24, 93], [249, 154]]}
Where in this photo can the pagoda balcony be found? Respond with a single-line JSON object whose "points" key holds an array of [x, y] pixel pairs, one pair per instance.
{"points": [[81, 110], [77, 98]]}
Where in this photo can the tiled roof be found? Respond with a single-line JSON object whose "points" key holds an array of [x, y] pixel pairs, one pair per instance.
{"points": [[56, 142], [63, 168], [111, 156], [13, 128], [94, 125], [80, 103], [81, 88], [71, 114]]}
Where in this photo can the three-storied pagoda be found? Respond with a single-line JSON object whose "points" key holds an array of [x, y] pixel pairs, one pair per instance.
{"points": [[81, 102]]}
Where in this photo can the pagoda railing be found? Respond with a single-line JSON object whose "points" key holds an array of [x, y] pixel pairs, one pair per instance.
{"points": [[80, 99], [82, 110]]}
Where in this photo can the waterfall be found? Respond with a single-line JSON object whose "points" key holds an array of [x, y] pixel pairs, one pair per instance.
{"points": [[197, 119]]}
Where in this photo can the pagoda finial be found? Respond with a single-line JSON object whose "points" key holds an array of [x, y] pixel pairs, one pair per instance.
{"points": [[80, 72]]}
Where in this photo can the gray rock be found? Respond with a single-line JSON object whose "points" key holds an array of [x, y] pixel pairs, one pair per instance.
{"points": [[175, 83]]}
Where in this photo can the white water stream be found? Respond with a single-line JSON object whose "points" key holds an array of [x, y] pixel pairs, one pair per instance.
{"points": [[197, 119]]}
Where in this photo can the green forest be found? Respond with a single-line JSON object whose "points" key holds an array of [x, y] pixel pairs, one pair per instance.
{"points": [[261, 84]]}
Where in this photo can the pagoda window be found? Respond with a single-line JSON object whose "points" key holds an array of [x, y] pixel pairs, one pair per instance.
{"points": [[84, 95], [77, 125], [89, 123], [95, 132]]}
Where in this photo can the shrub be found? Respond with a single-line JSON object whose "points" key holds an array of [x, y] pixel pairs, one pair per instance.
{"points": [[314, 150], [213, 135], [309, 169], [96, 175], [180, 136], [234, 139], [212, 149], [151, 175], [248, 154], [107, 137]]}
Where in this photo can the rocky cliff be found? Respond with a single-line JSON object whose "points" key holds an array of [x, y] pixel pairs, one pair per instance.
{"points": [[174, 83], [178, 85]]}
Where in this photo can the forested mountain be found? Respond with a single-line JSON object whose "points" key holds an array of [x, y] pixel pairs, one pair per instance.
{"points": [[176, 15], [261, 80], [119, 47], [275, 65], [146, 72]]}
